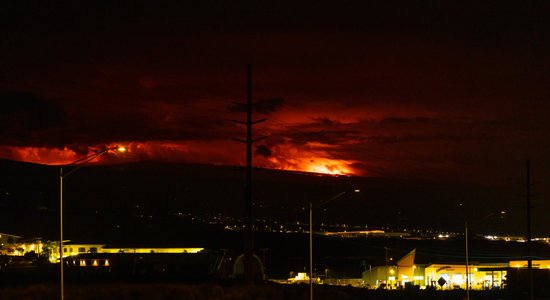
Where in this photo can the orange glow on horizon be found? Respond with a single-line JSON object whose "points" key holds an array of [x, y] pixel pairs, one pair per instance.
{"points": [[331, 167], [317, 165], [43, 155], [216, 152], [310, 157], [52, 156]]}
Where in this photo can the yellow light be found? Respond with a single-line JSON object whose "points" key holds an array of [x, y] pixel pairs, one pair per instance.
{"points": [[106, 262], [95, 263], [121, 149]]}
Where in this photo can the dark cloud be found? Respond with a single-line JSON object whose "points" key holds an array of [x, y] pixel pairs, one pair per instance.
{"points": [[395, 139], [328, 136], [265, 106], [263, 150], [396, 120], [269, 105], [29, 111], [26, 118], [326, 121], [389, 85]]}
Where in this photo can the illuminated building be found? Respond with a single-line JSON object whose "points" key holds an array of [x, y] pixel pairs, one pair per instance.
{"points": [[8, 238], [539, 264], [303, 277], [482, 276], [70, 250], [408, 273], [380, 276], [14, 245]]}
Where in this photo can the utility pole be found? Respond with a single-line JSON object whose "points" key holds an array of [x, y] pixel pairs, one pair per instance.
{"points": [[386, 248], [248, 232], [387, 270], [61, 263], [467, 261], [529, 256]]}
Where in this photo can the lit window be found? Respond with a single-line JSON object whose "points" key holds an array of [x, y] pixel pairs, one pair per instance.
{"points": [[457, 279], [82, 263]]}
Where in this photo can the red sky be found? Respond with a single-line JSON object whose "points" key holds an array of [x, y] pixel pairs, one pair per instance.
{"points": [[414, 89]]}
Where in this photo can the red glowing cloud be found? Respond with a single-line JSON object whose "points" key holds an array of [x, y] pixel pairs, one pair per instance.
{"points": [[55, 156], [373, 92], [285, 156], [40, 155], [307, 158]]}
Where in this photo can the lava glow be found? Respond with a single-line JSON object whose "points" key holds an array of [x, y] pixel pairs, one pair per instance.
{"points": [[42, 155], [329, 166], [310, 157], [51, 156], [285, 157], [313, 165]]}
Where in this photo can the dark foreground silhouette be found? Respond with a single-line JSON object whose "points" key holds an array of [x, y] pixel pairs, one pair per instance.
{"points": [[237, 291]]}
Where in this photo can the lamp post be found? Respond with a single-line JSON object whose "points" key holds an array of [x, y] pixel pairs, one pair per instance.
{"points": [[467, 249], [311, 208], [77, 164]]}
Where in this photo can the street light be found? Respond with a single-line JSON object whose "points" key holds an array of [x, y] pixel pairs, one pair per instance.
{"points": [[466, 242], [77, 164], [311, 208]]}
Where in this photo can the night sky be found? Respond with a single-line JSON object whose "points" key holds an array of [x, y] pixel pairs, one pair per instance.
{"points": [[424, 90]]}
